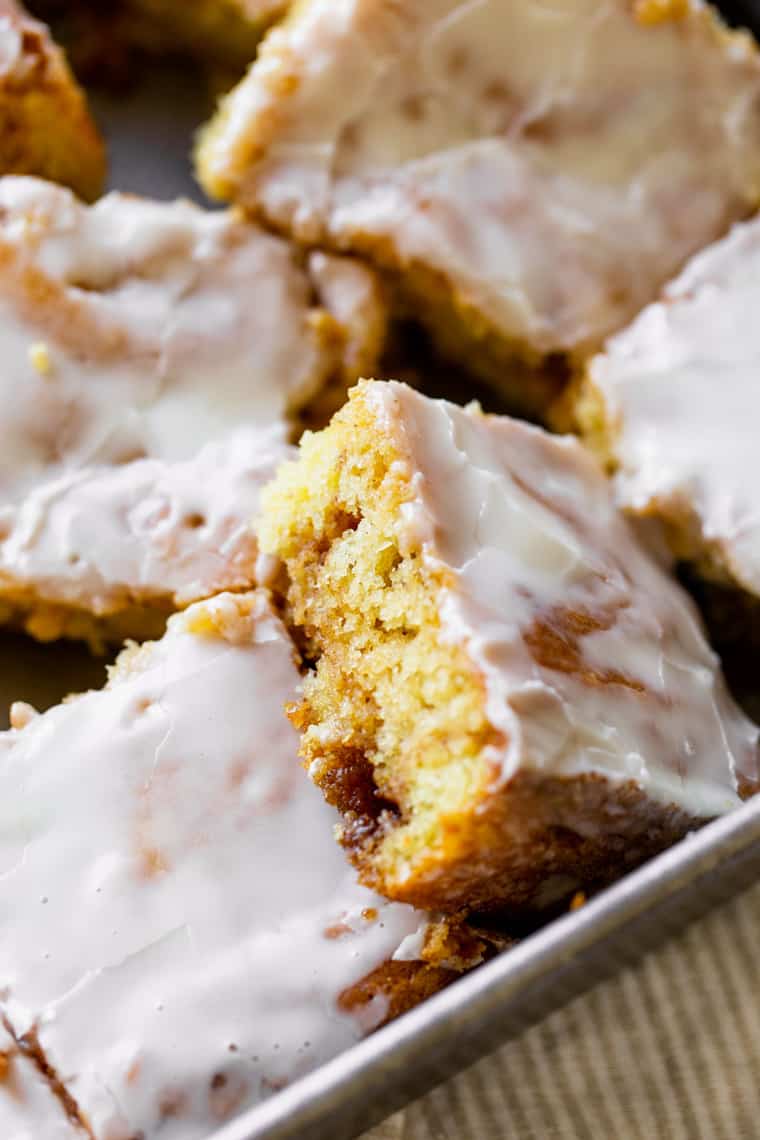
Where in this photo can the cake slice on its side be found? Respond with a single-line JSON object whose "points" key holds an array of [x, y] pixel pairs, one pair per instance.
{"points": [[155, 357], [29, 1108], [527, 175], [510, 700], [671, 405], [45, 126], [182, 934]]}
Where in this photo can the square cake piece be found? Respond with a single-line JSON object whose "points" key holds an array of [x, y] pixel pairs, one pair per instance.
{"points": [[670, 405], [154, 358], [527, 174], [510, 699], [45, 126], [182, 935]]}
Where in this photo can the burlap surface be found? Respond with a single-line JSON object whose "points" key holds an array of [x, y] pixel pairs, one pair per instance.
{"points": [[667, 1050]]}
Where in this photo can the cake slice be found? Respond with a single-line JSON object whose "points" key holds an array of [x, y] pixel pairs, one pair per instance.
{"points": [[155, 359], [670, 405], [29, 1108], [182, 935], [509, 699], [45, 126], [528, 175]]}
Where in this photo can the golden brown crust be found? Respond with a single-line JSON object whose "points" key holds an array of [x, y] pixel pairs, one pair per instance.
{"points": [[452, 947], [144, 619], [529, 844], [45, 127], [402, 985]]}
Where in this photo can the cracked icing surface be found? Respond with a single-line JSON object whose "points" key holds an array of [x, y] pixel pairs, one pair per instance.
{"points": [[547, 162], [180, 923], [679, 393], [151, 356], [593, 660]]}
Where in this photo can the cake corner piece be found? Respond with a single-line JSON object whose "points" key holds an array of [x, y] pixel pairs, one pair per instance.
{"points": [[492, 651]]}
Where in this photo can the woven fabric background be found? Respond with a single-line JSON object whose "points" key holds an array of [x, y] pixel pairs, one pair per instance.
{"points": [[667, 1050]]}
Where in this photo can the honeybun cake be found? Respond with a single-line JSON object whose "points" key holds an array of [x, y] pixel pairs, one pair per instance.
{"points": [[527, 175], [182, 934], [45, 126], [154, 358], [509, 699], [670, 406]]}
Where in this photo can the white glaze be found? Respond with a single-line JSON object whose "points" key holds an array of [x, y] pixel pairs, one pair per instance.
{"points": [[143, 346], [681, 390], [169, 882], [28, 1108], [96, 535], [526, 524], [550, 160], [20, 61], [11, 52]]}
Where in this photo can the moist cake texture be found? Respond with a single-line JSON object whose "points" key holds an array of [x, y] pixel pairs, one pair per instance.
{"points": [[510, 699], [528, 175], [45, 126], [182, 934], [154, 359], [672, 405]]}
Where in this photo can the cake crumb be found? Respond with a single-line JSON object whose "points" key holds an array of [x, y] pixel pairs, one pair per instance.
{"points": [[578, 900], [40, 359], [21, 714], [658, 11]]}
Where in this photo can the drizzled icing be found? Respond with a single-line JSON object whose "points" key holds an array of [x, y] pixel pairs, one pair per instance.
{"points": [[28, 1107], [549, 161], [151, 354], [681, 393], [178, 920], [593, 659]]}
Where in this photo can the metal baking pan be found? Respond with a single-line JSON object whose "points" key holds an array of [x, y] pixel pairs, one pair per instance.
{"points": [[499, 1000], [149, 137]]}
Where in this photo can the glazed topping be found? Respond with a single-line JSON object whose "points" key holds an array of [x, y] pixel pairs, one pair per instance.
{"points": [[134, 333], [28, 57], [679, 389], [548, 161], [29, 1109], [98, 535], [593, 658], [13, 21], [178, 919]]}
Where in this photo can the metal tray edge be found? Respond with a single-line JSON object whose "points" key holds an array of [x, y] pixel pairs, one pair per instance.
{"points": [[499, 1000]]}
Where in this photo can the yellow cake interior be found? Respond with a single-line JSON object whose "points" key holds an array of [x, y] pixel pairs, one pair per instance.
{"points": [[392, 717]]}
